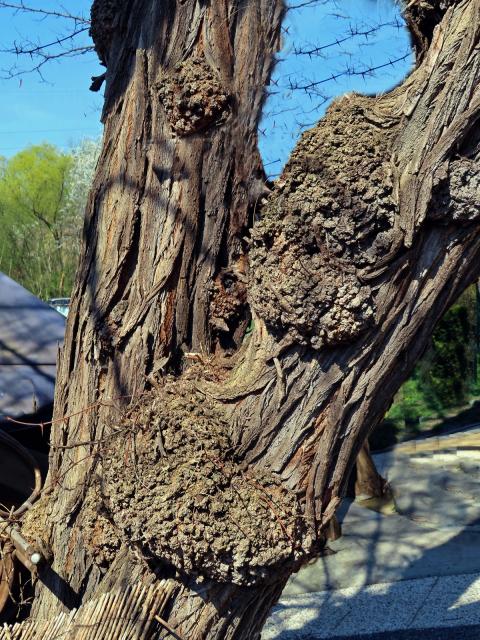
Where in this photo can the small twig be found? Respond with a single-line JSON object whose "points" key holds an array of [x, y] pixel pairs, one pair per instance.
{"points": [[94, 405], [21, 6], [166, 626], [27, 554]]}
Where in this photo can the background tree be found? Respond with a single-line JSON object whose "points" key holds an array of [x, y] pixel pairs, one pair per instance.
{"points": [[447, 372], [42, 199], [445, 378], [224, 474]]}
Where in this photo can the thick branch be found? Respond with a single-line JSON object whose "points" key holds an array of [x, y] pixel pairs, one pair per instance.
{"points": [[362, 288]]}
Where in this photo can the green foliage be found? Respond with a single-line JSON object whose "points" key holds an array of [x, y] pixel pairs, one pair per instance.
{"points": [[42, 198], [410, 402], [445, 377], [33, 184], [446, 372]]}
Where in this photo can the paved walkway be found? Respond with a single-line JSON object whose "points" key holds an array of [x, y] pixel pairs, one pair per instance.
{"points": [[412, 566]]}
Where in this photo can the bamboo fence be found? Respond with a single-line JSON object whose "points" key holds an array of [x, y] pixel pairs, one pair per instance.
{"points": [[131, 614]]}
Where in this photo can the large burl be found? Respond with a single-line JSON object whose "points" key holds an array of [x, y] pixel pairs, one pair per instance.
{"points": [[361, 186], [174, 490], [329, 222]]}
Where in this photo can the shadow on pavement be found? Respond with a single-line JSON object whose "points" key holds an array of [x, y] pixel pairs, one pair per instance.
{"points": [[433, 595]]}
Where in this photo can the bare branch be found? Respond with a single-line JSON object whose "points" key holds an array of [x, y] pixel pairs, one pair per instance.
{"points": [[21, 6], [15, 72], [354, 32], [32, 49], [66, 45], [306, 3]]}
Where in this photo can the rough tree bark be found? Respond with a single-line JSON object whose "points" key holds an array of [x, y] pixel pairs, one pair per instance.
{"points": [[368, 483], [211, 454]]}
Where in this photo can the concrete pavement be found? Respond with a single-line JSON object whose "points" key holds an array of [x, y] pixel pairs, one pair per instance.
{"points": [[412, 567], [424, 603]]}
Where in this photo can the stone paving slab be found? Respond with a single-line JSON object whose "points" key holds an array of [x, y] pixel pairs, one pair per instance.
{"points": [[404, 573], [425, 603], [464, 632], [390, 548]]}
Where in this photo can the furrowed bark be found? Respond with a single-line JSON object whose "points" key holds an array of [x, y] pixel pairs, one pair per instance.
{"points": [[370, 234], [163, 269], [389, 187]]}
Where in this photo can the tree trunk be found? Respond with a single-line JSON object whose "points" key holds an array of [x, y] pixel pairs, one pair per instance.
{"points": [[233, 455], [368, 482]]}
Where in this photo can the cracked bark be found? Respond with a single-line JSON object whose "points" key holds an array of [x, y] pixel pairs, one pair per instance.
{"points": [[167, 218]]}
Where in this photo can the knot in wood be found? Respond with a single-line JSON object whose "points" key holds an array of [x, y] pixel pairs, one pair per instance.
{"points": [[228, 301], [193, 97]]}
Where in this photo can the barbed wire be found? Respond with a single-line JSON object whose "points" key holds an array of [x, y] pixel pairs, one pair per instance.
{"points": [[311, 86]]}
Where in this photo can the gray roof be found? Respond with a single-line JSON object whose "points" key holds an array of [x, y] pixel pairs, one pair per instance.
{"points": [[30, 335]]}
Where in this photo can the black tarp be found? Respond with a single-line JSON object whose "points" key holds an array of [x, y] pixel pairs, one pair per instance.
{"points": [[30, 334]]}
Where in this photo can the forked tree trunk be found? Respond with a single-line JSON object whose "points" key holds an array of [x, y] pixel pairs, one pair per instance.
{"points": [[226, 475]]}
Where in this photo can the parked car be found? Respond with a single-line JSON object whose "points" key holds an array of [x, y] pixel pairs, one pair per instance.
{"points": [[31, 333], [61, 305]]}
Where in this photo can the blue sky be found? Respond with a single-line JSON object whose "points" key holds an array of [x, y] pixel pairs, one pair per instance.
{"points": [[287, 112], [61, 110]]}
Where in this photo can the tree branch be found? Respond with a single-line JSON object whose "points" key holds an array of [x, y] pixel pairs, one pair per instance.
{"points": [[22, 7], [15, 72], [306, 3], [31, 49], [64, 46], [310, 87]]}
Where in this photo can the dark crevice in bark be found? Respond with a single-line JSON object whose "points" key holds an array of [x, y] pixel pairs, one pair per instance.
{"points": [[200, 253], [422, 17], [72, 358], [150, 352], [125, 274]]}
